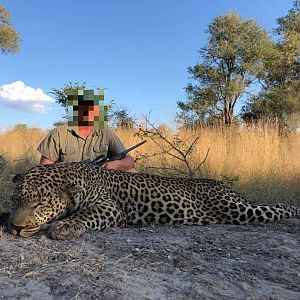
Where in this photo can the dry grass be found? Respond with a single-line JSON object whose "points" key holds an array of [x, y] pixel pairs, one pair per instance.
{"points": [[20, 144], [260, 163]]}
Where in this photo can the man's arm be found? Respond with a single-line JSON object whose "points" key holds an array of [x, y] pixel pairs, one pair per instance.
{"points": [[49, 148], [45, 161], [115, 147], [126, 164]]}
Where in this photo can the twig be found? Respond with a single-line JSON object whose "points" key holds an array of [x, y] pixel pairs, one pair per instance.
{"points": [[182, 151]]}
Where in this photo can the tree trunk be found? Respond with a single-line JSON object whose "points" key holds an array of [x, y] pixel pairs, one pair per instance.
{"points": [[228, 117]]}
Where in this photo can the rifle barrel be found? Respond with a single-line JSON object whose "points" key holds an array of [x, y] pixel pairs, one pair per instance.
{"points": [[135, 146]]}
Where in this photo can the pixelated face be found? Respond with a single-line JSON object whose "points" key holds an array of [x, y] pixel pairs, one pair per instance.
{"points": [[86, 108], [88, 112]]}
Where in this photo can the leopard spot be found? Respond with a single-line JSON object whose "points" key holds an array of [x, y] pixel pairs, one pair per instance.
{"points": [[164, 219]]}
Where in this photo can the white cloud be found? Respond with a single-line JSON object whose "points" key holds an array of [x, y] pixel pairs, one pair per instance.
{"points": [[18, 95]]}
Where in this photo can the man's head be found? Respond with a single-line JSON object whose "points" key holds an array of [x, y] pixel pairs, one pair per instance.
{"points": [[86, 108]]}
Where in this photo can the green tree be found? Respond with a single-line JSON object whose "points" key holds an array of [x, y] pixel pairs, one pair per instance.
{"points": [[280, 96], [61, 95], [283, 66], [121, 117], [274, 103], [20, 127], [291, 22], [9, 37], [231, 62]]}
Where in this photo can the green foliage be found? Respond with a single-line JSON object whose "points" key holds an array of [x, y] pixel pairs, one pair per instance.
{"points": [[20, 127], [61, 95], [274, 103], [291, 22], [230, 63], [9, 37], [284, 67], [280, 96], [121, 117]]}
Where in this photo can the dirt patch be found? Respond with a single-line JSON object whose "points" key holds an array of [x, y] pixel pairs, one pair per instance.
{"points": [[179, 262]]}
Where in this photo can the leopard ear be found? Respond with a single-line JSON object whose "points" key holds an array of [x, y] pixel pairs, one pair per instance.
{"points": [[68, 192], [17, 178], [72, 190]]}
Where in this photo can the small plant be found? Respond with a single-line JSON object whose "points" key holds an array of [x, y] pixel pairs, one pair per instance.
{"points": [[176, 148]]}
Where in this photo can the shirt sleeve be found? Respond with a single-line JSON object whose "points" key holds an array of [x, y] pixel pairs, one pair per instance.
{"points": [[115, 145], [49, 146]]}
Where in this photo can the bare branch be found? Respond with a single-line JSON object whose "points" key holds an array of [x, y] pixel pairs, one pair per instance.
{"points": [[191, 146], [175, 148], [203, 161]]}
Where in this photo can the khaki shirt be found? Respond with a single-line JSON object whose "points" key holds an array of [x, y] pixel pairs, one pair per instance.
{"points": [[64, 144]]}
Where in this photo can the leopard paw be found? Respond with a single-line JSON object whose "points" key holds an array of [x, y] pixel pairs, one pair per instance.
{"points": [[65, 230]]}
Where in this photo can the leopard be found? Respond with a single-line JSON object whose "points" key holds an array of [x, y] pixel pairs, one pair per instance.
{"points": [[71, 198]]}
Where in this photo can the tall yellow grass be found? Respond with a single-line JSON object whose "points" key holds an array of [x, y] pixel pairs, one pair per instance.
{"points": [[19, 144], [245, 152], [266, 164]]}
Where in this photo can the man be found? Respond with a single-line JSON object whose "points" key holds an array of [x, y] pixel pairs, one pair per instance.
{"points": [[81, 139]]}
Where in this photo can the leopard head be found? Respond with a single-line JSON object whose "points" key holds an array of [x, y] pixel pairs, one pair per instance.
{"points": [[41, 195]]}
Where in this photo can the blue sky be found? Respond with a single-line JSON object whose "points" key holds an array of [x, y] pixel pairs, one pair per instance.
{"points": [[139, 50]]}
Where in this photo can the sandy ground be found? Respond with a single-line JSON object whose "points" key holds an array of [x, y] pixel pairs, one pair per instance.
{"points": [[180, 262]]}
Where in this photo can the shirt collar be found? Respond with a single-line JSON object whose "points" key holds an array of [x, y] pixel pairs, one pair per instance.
{"points": [[95, 131]]}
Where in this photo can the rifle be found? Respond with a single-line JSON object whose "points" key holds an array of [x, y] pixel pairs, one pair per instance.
{"points": [[102, 159]]}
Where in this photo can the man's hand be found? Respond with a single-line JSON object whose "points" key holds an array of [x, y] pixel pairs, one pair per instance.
{"points": [[126, 164], [45, 161]]}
